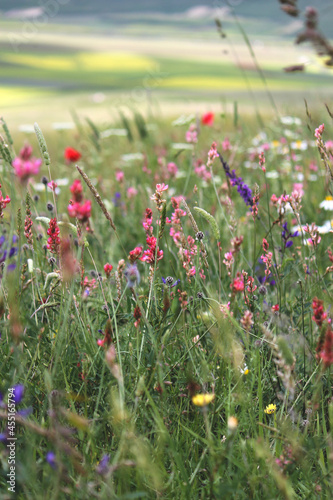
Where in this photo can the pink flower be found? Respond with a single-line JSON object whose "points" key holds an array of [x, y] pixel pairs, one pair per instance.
{"points": [[226, 146], [238, 284], [329, 145], [152, 255], [135, 254], [319, 131], [77, 190], [3, 202], [192, 271], [120, 176], [81, 212], [298, 187], [52, 185], [25, 165], [161, 187], [172, 169], [131, 192], [191, 135]]}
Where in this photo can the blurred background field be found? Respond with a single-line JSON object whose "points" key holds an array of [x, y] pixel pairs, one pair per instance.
{"points": [[164, 58]]}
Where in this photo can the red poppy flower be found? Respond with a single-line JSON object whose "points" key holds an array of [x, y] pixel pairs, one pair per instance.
{"points": [[71, 155], [208, 119]]}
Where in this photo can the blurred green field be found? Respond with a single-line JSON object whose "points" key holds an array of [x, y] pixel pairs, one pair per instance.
{"points": [[95, 70]]}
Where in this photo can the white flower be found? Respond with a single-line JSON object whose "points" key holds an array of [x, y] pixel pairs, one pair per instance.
{"points": [[132, 157], [181, 145], [273, 174], [113, 131], [326, 228], [302, 145], [63, 125], [27, 128], [290, 120], [327, 204], [183, 120]]}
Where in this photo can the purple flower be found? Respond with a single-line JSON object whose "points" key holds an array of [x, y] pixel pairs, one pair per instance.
{"points": [[51, 459], [169, 281], [3, 437], [18, 393], [242, 188], [117, 199], [103, 467], [286, 235], [25, 412], [132, 275], [8, 251]]}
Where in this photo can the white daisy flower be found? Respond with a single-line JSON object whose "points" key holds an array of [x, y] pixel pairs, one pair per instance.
{"points": [[327, 204]]}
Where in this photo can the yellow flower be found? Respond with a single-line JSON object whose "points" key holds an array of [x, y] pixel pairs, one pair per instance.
{"points": [[270, 409], [202, 399]]}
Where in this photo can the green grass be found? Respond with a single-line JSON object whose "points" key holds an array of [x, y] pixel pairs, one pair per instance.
{"points": [[135, 403]]}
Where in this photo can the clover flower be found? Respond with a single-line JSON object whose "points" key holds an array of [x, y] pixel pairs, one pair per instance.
{"points": [[169, 280]]}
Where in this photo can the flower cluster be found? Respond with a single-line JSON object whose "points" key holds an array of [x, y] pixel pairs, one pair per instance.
{"points": [[267, 257], [77, 207], [319, 316], [242, 188], [152, 254], [157, 197], [287, 235], [53, 241], [191, 135], [25, 165]]}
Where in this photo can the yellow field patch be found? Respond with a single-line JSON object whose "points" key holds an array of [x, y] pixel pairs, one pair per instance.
{"points": [[217, 83], [15, 96], [105, 61], [85, 61]]}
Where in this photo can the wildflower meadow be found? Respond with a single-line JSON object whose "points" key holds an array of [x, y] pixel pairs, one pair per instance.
{"points": [[166, 322]]}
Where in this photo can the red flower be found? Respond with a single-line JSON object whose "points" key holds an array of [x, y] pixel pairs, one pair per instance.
{"points": [[208, 119], [238, 284], [327, 352], [135, 254], [77, 190], [54, 241], [276, 308], [319, 315], [81, 212], [107, 269], [71, 155]]}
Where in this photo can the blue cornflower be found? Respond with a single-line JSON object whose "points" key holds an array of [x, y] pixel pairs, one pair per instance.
{"points": [[169, 281], [287, 235], [242, 188]]}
